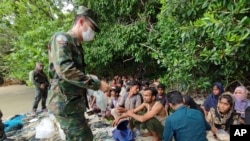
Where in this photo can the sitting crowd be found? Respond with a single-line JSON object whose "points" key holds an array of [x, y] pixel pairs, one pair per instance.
{"points": [[172, 115]]}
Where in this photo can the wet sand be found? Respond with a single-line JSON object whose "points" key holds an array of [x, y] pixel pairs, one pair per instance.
{"points": [[16, 99]]}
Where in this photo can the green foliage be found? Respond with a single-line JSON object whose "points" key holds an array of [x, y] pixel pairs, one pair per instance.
{"points": [[29, 25], [125, 26], [203, 42], [189, 44]]}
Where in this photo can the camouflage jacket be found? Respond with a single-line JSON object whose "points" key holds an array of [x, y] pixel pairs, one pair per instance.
{"points": [[66, 65]]}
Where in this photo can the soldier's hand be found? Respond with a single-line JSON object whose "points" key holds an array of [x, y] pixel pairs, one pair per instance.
{"points": [[104, 86]]}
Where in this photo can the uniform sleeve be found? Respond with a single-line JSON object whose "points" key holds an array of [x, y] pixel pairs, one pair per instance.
{"points": [[66, 68], [168, 131]]}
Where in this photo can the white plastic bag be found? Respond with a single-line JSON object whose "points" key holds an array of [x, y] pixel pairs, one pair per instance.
{"points": [[223, 135], [45, 129], [58, 127], [61, 132], [101, 100]]}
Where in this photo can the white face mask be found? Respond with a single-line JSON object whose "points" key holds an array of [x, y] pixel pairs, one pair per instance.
{"points": [[88, 35]]}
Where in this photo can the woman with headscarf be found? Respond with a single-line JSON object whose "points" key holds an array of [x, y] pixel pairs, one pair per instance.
{"points": [[224, 115], [241, 100], [212, 99], [190, 103]]}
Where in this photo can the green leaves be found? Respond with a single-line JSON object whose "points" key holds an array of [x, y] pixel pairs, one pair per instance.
{"points": [[204, 39], [189, 44]]}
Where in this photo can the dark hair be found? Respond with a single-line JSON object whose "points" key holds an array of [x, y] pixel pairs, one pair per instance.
{"points": [[175, 97], [134, 83], [121, 82], [161, 86], [189, 101], [77, 17], [116, 89], [153, 90], [145, 83], [229, 99]]}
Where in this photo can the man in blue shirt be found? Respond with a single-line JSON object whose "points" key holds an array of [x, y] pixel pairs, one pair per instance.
{"points": [[184, 124]]}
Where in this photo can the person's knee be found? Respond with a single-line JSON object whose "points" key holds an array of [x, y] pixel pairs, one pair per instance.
{"points": [[156, 137], [150, 123], [114, 113]]}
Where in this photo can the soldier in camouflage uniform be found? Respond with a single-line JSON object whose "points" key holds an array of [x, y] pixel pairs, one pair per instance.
{"points": [[40, 80], [69, 84]]}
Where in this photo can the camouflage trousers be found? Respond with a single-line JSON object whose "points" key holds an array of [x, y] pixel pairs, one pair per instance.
{"points": [[41, 94], [69, 112], [75, 128]]}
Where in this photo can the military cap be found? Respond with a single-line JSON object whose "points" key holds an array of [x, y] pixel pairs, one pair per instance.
{"points": [[91, 15]]}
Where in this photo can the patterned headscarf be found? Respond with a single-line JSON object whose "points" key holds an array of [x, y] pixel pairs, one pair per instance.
{"points": [[223, 121]]}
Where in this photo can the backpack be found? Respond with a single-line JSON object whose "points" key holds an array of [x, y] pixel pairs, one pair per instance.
{"points": [[31, 76]]}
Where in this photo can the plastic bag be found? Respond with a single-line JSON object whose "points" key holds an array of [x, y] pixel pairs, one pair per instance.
{"points": [[101, 100], [58, 127], [223, 135], [45, 129]]}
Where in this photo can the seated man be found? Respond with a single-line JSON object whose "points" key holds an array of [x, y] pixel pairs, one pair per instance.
{"points": [[115, 96], [154, 117], [128, 101], [185, 124]]}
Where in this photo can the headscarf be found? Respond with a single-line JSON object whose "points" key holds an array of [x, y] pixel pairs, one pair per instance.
{"points": [[223, 121], [212, 100], [241, 102], [244, 92]]}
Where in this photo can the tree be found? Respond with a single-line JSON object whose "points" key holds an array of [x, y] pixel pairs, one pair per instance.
{"points": [[201, 42]]}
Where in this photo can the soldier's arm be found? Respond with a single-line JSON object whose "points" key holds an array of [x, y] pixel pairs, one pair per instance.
{"points": [[65, 66]]}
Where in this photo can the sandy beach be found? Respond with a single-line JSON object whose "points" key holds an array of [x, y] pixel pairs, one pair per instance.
{"points": [[16, 99]]}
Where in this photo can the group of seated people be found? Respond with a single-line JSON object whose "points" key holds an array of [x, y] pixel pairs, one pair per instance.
{"points": [[173, 115]]}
